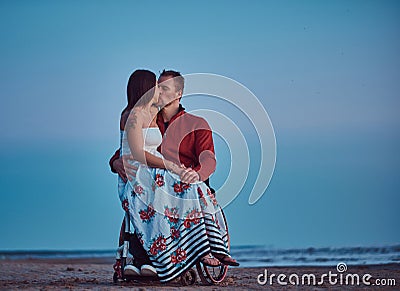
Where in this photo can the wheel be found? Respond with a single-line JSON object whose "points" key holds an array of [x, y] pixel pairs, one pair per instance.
{"points": [[214, 275], [189, 277], [123, 264], [115, 277], [117, 271], [211, 275]]}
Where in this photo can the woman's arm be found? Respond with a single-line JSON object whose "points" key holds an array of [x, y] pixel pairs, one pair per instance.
{"points": [[136, 144], [156, 162]]}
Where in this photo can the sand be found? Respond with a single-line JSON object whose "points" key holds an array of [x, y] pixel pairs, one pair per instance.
{"points": [[88, 274]]}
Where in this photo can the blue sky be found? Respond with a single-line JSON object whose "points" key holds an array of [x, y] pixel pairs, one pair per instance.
{"points": [[326, 72]]}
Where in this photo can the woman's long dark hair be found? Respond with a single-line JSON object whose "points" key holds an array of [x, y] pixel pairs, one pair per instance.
{"points": [[140, 89]]}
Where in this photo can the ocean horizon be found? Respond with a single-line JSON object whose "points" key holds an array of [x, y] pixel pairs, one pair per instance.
{"points": [[250, 256]]}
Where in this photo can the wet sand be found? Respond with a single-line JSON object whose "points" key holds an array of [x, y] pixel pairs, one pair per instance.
{"points": [[87, 274]]}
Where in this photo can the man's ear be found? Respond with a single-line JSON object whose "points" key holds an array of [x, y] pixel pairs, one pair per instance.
{"points": [[179, 94]]}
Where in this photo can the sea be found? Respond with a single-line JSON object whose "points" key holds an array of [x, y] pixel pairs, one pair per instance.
{"points": [[254, 256]]}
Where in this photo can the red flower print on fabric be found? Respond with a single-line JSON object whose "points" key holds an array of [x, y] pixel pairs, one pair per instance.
{"points": [[178, 188], [175, 233], [138, 189], [181, 188], [147, 214], [125, 205], [178, 256], [160, 180], [201, 197], [158, 245], [171, 214], [192, 218]]}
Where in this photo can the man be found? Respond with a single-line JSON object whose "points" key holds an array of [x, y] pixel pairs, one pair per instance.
{"points": [[187, 141]]}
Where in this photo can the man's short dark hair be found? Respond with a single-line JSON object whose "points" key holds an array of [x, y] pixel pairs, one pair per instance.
{"points": [[178, 79]]}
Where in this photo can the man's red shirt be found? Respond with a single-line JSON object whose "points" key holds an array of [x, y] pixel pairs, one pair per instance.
{"points": [[187, 139]]}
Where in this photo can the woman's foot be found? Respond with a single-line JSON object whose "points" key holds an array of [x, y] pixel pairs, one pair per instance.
{"points": [[226, 260], [210, 261], [148, 270]]}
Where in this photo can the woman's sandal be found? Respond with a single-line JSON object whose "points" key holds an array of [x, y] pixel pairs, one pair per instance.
{"points": [[210, 261], [226, 260]]}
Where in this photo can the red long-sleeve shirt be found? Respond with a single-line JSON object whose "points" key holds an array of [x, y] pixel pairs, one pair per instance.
{"points": [[187, 139]]}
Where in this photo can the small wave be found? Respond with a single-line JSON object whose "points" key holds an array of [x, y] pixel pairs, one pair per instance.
{"points": [[253, 256]]}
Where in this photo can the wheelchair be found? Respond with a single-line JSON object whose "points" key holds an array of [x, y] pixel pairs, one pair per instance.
{"points": [[208, 275]]}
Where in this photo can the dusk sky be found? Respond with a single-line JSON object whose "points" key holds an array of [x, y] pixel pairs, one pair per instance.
{"points": [[327, 73]]}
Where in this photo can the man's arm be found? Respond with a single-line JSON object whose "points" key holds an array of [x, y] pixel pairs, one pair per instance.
{"points": [[117, 165], [204, 149], [114, 158]]}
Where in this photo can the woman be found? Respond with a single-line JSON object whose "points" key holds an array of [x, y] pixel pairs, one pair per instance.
{"points": [[177, 223]]}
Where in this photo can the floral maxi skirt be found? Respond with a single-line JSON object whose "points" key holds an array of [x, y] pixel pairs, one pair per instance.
{"points": [[177, 223]]}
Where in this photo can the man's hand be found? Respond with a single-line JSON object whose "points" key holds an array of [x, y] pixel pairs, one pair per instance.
{"points": [[118, 166], [190, 176], [129, 170]]}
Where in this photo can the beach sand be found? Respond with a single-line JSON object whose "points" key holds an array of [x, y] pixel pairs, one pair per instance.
{"points": [[85, 274]]}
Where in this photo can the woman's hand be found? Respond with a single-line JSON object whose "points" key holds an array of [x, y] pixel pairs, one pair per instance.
{"points": [[187, 175]]}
